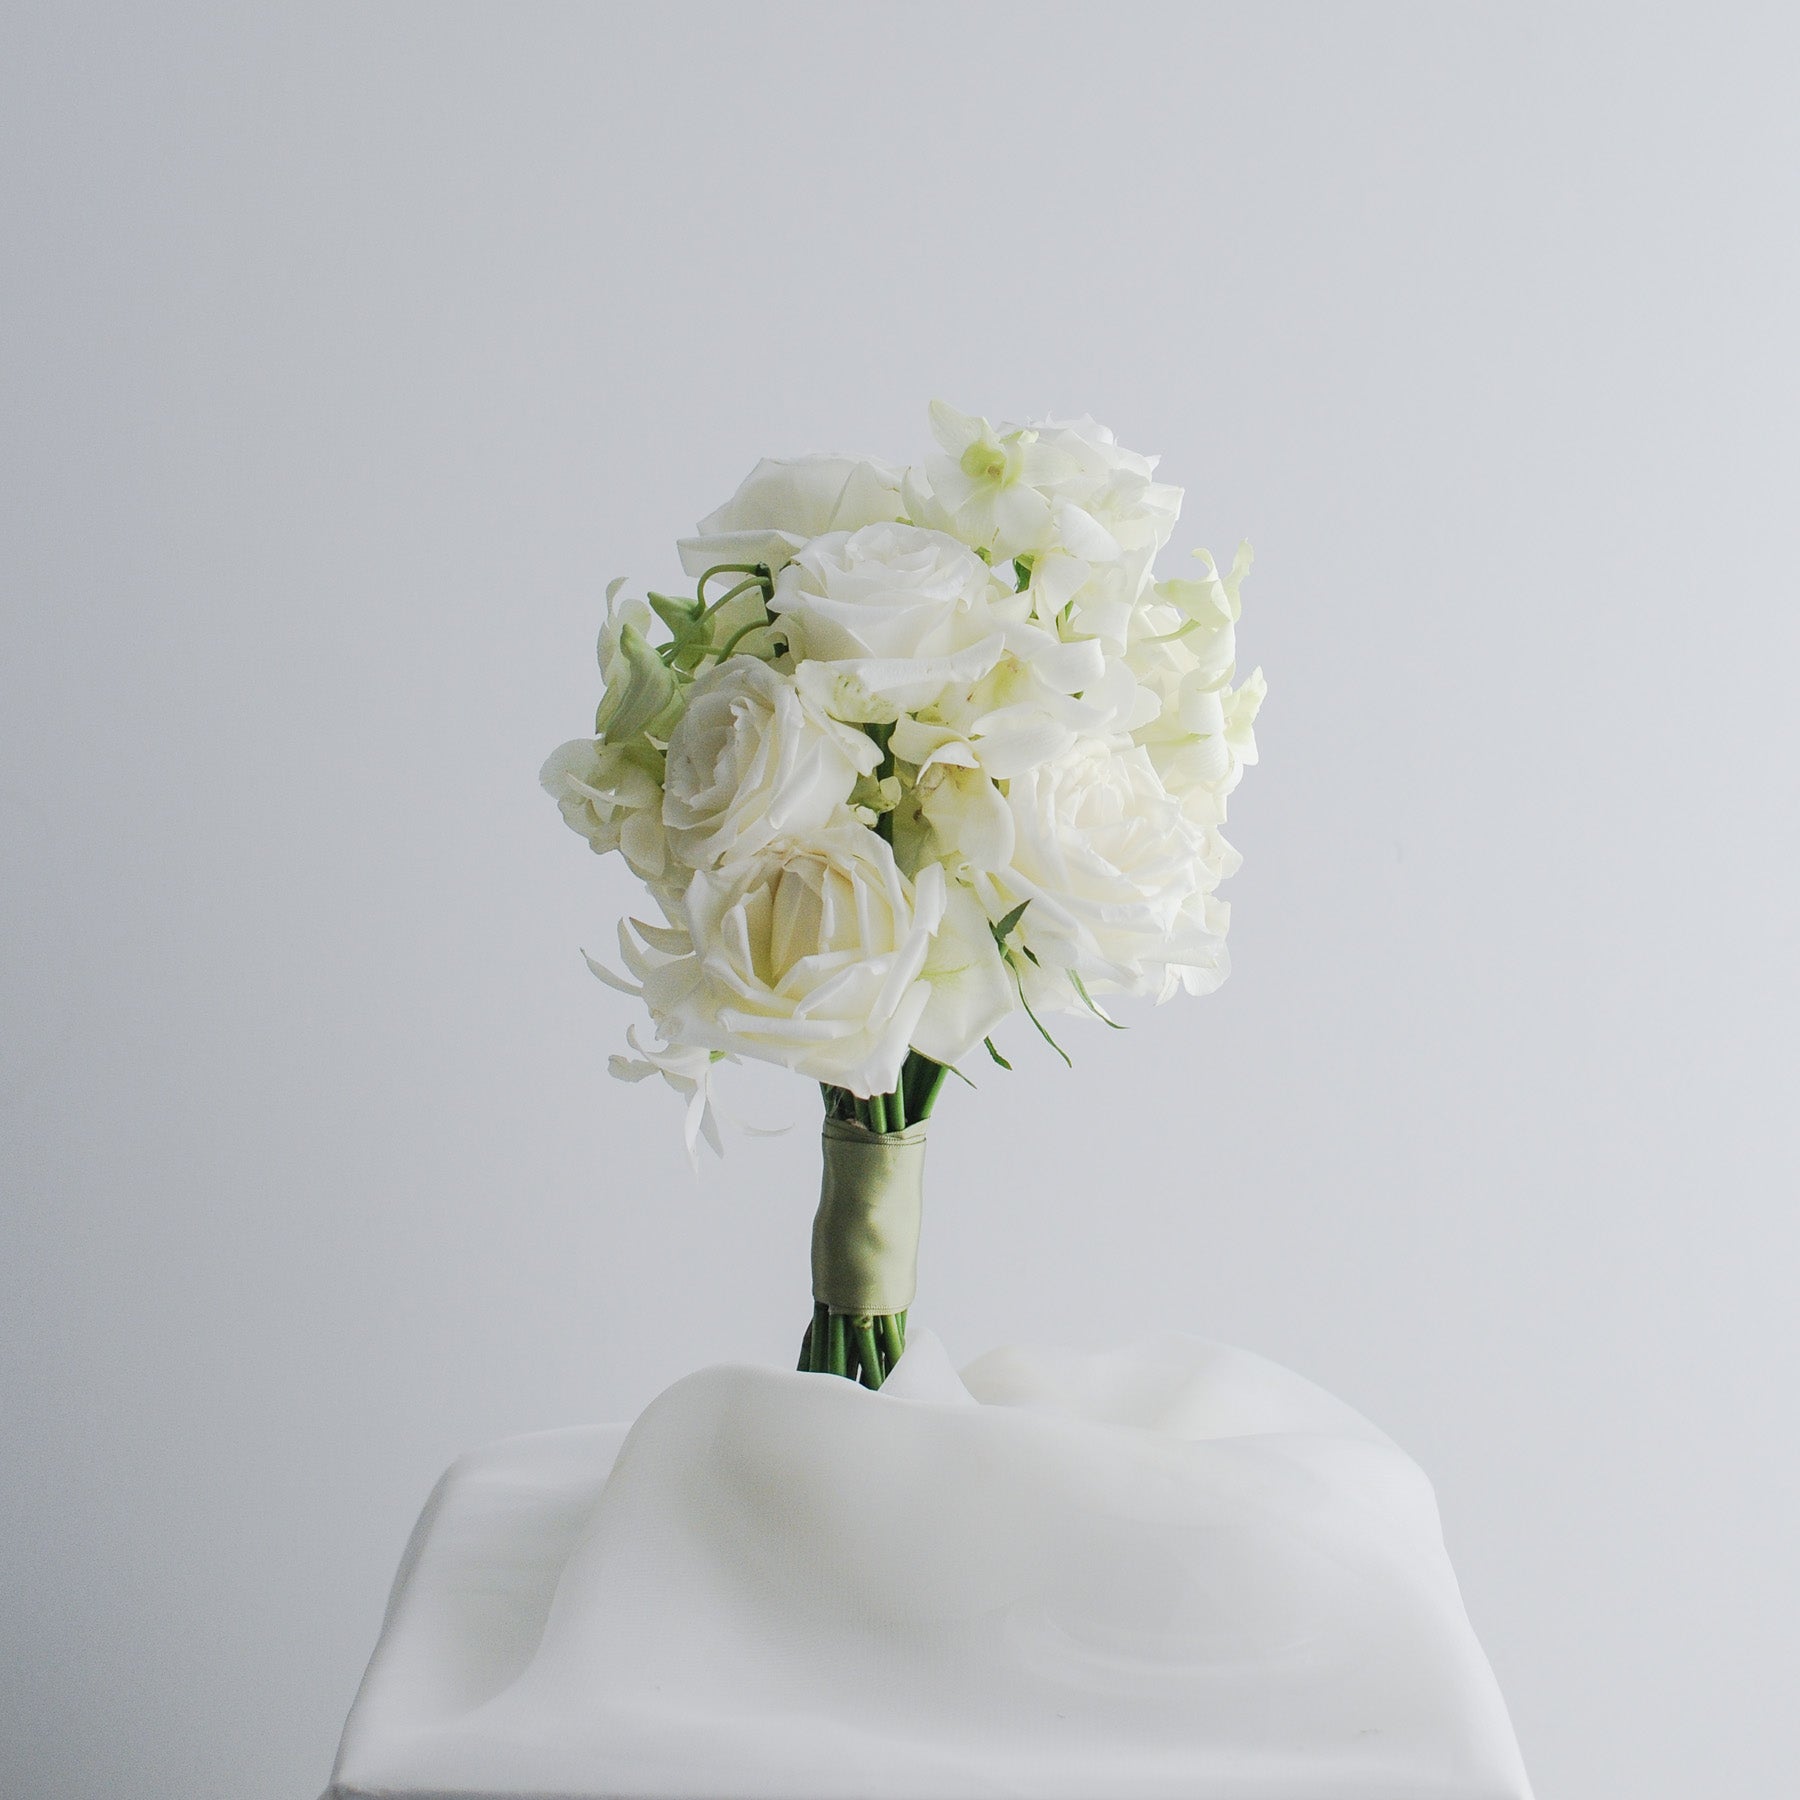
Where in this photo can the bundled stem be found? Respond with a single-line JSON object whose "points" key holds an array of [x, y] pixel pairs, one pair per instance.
{"points": [[860, 1346], [921, 1081], [864, 1346]]}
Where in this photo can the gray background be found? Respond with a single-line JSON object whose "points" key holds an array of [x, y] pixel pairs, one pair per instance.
{"points": [[349, 352]]}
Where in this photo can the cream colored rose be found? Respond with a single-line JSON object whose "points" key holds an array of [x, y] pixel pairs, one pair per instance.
{"points": [[810, 955], [753, 759]]}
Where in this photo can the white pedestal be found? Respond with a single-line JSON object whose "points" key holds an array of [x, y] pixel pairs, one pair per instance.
{"points": [[1172, 1570]]}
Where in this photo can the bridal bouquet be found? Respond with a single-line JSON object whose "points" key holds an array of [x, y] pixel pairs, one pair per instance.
{"points": [[923, 749]]}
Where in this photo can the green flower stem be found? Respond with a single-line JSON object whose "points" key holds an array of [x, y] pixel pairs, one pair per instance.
{"points": [[730, 594], [921, 1083], [884, 822], [759, 572], [873, 1373], [738, 636], [866, 1345]]}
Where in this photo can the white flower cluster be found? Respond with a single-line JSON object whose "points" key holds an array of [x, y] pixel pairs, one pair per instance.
{"points": [[926, 746]]}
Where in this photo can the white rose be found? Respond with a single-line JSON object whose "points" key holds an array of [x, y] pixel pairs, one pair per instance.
{"points": [[612, 795], [1114, 878], [753, 759], [783, 503], [905, 610], [810, 955]]}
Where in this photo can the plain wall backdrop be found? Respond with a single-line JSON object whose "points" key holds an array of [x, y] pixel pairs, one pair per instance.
{"points": [[349, 352]]}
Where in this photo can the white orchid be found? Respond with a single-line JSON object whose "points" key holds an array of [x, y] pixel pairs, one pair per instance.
{"points": [[689, 1071], [989, 487], [1063, 488], [1202, 737]]}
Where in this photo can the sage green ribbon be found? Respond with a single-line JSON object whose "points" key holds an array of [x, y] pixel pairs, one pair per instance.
{"points": [[865, 1240]]}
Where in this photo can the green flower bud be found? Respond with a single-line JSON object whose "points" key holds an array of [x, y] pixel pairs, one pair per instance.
{"points": [[640, 688]]}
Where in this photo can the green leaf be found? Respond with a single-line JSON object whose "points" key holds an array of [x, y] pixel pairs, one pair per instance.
{"points": [[1039, 1023], [1003, 929], [1087, 1000], [1022, 573], [995, 1054]]}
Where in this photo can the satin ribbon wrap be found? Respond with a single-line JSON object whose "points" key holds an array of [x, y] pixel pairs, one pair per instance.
{"points": [[865, 1241]]}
